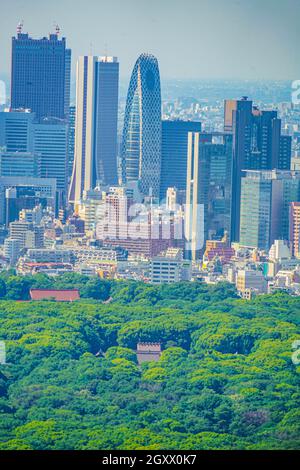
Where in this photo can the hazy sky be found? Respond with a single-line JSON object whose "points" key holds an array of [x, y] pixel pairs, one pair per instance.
{"points": [[191, 38]]}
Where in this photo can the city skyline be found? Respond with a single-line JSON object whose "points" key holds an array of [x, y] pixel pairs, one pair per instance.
{"points": [[149, 239], [212, 47]]}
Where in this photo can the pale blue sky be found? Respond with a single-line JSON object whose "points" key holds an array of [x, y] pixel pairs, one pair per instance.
{"points": [[252, 39]]}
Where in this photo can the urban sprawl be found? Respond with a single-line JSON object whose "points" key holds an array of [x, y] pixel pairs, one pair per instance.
{"points": [[147, 189]]}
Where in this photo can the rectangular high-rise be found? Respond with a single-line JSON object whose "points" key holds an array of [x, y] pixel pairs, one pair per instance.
{"points": [[95, 156], [71, 139], [48, 140], [40, 75], [174, 153], [257, 145], [294, 228], [17, 193], [265, 203], [20, 164], [197, 181], [208, 188]]}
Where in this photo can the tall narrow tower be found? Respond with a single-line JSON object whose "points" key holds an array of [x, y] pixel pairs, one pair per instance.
{"points": [[141, 145], [95, 155]]}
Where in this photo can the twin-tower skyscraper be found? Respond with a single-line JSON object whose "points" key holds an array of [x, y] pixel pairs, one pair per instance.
{"points": [[95, 159]]}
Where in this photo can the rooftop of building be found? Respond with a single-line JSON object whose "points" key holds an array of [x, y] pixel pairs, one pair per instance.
{"points": [[60, 295]]}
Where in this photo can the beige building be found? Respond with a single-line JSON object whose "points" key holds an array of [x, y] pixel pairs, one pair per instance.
{"points": [[295, 228], [248, 281]]}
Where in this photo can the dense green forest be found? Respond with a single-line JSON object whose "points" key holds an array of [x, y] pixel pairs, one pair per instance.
{"points": [[225, 380]]}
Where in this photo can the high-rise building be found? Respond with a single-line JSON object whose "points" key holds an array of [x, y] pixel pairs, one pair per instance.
{"points": [[20, 164], [208, 188], [71, 139], [229, 107], [257, 145], [295, 228], [95, 157], [17, 193], [141, 144], [174, 154], [50, 141], [46, 141], [265, 201], [285, 152], [216, 150], [107, 121], [196, 190], [16, 130], [40, 75]]}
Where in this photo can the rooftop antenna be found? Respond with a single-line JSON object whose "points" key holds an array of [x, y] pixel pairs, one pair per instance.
{"points": [[20, 27], [56, 28], [105, 51]]}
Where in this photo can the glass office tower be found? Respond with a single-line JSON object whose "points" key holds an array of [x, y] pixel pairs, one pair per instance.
{"points": [[141, 144], [95, 154], [40, 75]]}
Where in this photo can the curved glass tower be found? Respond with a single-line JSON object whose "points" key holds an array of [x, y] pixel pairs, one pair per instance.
{"points": [[141, 145]]}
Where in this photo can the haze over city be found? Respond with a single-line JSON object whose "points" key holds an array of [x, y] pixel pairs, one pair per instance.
{"points": [[149, 231], [238, 39]]}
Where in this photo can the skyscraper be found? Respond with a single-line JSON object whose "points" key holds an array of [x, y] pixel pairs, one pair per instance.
{"points": [[50, 141], [21, 132], [40, 75], [15, 131], [265, 204], [71, 139], [208, 188], [285, 152], [294, 227], [107, 119], [196, 189], [141, 144], [95, 156], [20, 164], [17, 193], [174, 154], [216, 150], [257, 145]]}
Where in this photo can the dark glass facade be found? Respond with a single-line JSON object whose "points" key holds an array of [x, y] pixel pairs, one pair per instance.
{"points": [[40, 75], [174, 154], [141, 144]]}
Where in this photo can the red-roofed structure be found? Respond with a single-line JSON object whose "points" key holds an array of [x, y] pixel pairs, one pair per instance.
{"points": [[59, 295]]}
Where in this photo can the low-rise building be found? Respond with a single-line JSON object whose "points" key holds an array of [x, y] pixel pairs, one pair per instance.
{"points": [[170, 267], [250, 280], [60, 295], [148, 352]]}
